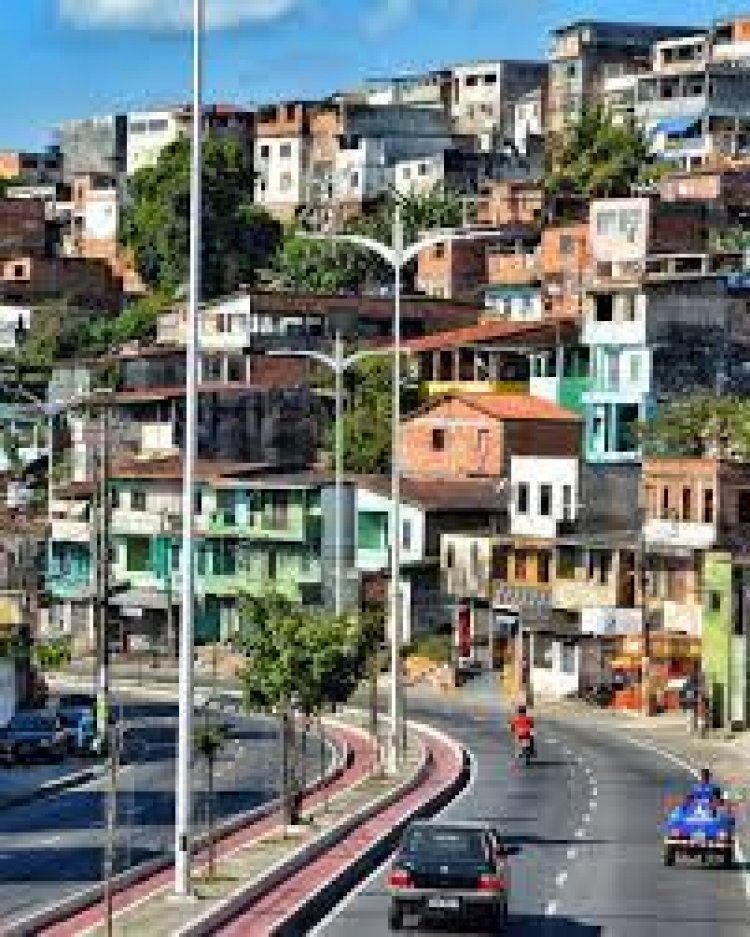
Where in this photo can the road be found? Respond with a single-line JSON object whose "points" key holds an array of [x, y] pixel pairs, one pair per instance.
{"points": [[54, 847], [583, 824]]}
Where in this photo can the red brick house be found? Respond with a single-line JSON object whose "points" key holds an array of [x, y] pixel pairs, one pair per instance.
{"points": [[474, 435]]}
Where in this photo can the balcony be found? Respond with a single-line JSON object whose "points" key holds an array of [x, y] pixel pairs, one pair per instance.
{"points": [[576, 594], [71, 531], [673, 533], [137, 523], [460, 582]]}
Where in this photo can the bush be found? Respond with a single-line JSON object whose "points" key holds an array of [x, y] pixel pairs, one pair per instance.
{"points": [[434, 647]]}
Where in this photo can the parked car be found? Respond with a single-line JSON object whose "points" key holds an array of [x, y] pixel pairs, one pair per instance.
{"points": [[450, 870], [33, 734], [73, 701], [80, 729]]}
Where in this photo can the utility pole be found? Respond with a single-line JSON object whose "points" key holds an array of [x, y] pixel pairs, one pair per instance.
{"points": [[103, 557], [109, 852]]}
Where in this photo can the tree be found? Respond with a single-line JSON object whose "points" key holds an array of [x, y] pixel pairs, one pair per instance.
{"points": [[597, 158], [208, 742], [330, 267], [295, 657], [698, 426], [238, 237]]}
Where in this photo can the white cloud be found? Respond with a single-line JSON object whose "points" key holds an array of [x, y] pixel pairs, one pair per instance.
{"points": [[388, 14], [169, 14]]}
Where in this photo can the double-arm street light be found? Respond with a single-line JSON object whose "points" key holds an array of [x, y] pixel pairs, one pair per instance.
{"points": [[396, 256], [339, 364]]}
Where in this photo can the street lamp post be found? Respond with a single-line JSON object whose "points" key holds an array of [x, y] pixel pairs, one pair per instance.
{"points": [[339, 364], [397, 256], [183, 794]]}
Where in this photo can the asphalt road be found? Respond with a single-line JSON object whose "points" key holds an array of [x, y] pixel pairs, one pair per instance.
{"points": [[55, 847], [584, 823]]}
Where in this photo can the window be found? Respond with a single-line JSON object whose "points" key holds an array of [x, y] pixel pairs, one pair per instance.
{"points": [[114, 499], [291, 111], [521, 565], [285, 151], [743, 506], [708, 506], [422, 169], [372, 530], [566, 562], [472, 81], [18, 271], [406, 173], [606, 223], [490, 78], [500, 564], [438, 440], [406, 535], [567, 502], [265, 151], [474, 559], [280, 510], [567, 658], [635, 368], [687, 504], [197, 501], [665, 502], [522, 498], [438, 251], [627, 304], [272, 564], [235, 368], [483, 443], [138, 501], [354, 180], [543, 566], [567, 245], [603, 307], [714, 601], [285, 181], [138, 551], [450, 556], [545, 500]]}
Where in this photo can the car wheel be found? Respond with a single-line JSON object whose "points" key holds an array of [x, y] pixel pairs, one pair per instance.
{"points": [[396, 916], [669, 856]]}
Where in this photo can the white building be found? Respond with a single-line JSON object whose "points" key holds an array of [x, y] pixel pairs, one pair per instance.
{"points": [[149, 133], [544, 493]]}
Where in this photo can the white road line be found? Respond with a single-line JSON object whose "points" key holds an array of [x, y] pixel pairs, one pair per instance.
{"points": [[338, 910], [580, 832], [50, 841], [587, 818], [562, 878], [694, 772], [592, 803], [571, 853], [551, 909], [594, 790]]}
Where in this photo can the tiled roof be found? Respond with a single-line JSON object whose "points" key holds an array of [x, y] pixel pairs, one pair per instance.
{"points": [[506, 407], [496, 331], [170, 469]]}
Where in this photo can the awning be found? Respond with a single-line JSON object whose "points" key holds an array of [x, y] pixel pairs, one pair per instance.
{"points": [[675, 126]]}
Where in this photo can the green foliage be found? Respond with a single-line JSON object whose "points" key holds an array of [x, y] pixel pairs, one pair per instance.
{"points": [[434, 647], [597, 159], [700, 425], [238, 237], [53, 655], [295, 654], [330, 267], [208, 740], [367, 423]]}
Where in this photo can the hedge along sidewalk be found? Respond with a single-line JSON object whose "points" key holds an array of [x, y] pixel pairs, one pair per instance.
{"points": [[252, 862]]}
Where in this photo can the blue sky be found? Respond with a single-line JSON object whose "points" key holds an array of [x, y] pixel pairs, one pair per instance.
{"points": [[69, 58]]}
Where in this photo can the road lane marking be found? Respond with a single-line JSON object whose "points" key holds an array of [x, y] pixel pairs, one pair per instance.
{"points": [[587, 818], [594, 790], [50, 841], [580, 832], [592, 803], [562, 878], [551, 909], [571, 853]]}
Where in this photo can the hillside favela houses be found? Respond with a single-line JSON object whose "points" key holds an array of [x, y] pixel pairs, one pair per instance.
{"points": [[573, 449]]}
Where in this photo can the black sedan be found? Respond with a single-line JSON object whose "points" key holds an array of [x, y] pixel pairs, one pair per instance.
{"points": [[450, 870], [33, 734]]}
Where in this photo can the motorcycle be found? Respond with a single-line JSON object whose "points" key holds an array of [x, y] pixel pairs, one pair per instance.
{"points": [[525, 749]]}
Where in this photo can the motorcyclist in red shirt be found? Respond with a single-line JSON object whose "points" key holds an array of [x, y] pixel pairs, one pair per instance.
{"points": [[522, 727]]}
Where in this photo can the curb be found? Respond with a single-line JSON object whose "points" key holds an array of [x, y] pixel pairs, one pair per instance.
{"points": [[314, 907], [75, 904], [245, 895]]}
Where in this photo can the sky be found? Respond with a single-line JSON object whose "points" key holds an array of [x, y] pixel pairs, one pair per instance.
{"points": [[62, 59]]}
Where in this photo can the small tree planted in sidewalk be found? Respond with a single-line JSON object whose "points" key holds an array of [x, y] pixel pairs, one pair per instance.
{"points": [[208, 742], [295, 657]]}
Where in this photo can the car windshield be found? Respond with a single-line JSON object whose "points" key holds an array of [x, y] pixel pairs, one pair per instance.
{"points": [[440, 843], [34, 721]]}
